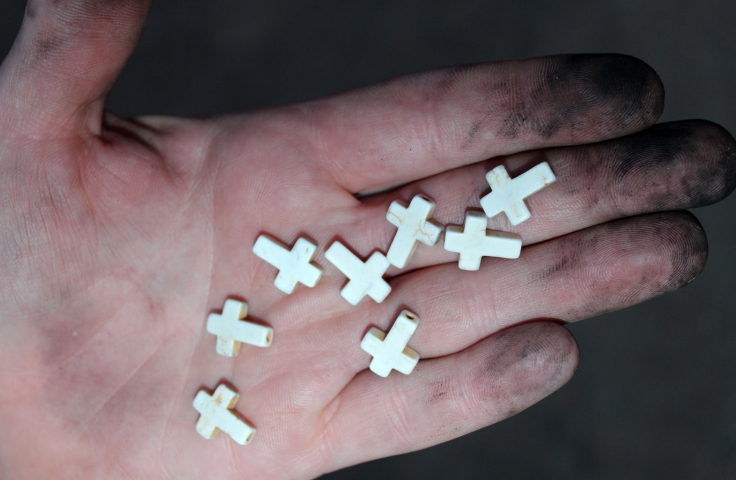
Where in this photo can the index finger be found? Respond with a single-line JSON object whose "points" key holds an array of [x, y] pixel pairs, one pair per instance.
{"points": [[385, 135]]}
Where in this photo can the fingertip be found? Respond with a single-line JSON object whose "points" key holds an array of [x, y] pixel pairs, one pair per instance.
{"points": [[624, 92], [654, 93], [525, 364], [721, 148], [635, 85], [67, 57], [683, 238], [655, 254]]}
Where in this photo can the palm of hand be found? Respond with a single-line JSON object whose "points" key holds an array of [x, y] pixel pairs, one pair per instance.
{"points": [[121, 240]]}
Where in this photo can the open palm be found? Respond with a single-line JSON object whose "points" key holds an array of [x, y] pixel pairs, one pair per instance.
{"points": [[121, 235]]}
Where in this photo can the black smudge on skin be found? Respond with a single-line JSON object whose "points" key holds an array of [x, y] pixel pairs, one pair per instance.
{"points": [[585, 92], [45, 45], [446, 82], [673, 243], [31, 9], [570, 253], [527, 361], [75, 14], [673, 166], [689, 253], [439, 391]]}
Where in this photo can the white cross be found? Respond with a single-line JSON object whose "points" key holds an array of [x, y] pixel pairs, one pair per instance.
{"points": [[508, 195], [473, 241], [231, 329], [414, 225], [294, 266], [365, 278], [216, 414], [390, 351]]}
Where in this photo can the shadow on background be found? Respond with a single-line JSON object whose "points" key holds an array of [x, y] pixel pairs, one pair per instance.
{"points": [[655, 392]]}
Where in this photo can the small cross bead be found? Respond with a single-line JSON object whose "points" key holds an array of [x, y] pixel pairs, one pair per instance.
{"points": [[508, 195], [414, 226], [232, 330], [472, 241], [366, 278], [390, 351], [294, 265], [216, 413]]}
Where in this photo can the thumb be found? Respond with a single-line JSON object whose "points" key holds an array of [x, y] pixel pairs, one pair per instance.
{"points": [[66, 58]]}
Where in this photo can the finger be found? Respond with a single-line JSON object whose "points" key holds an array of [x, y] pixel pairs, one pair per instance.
{"points": [[449, 397], [67, 57], [419, 125], [671, 166], [601, 269]]}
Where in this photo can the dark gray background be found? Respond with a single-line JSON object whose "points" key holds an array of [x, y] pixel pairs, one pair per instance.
{"points": [[655, 394]]}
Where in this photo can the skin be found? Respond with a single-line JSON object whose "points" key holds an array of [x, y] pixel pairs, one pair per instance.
{"points": [[121, 235]]}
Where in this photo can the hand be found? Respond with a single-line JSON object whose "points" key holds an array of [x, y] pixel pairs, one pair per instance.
{"points": [[120, 236]]}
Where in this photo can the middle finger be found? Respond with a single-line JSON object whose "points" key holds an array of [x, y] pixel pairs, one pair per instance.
{"points": [[671, 166]]}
